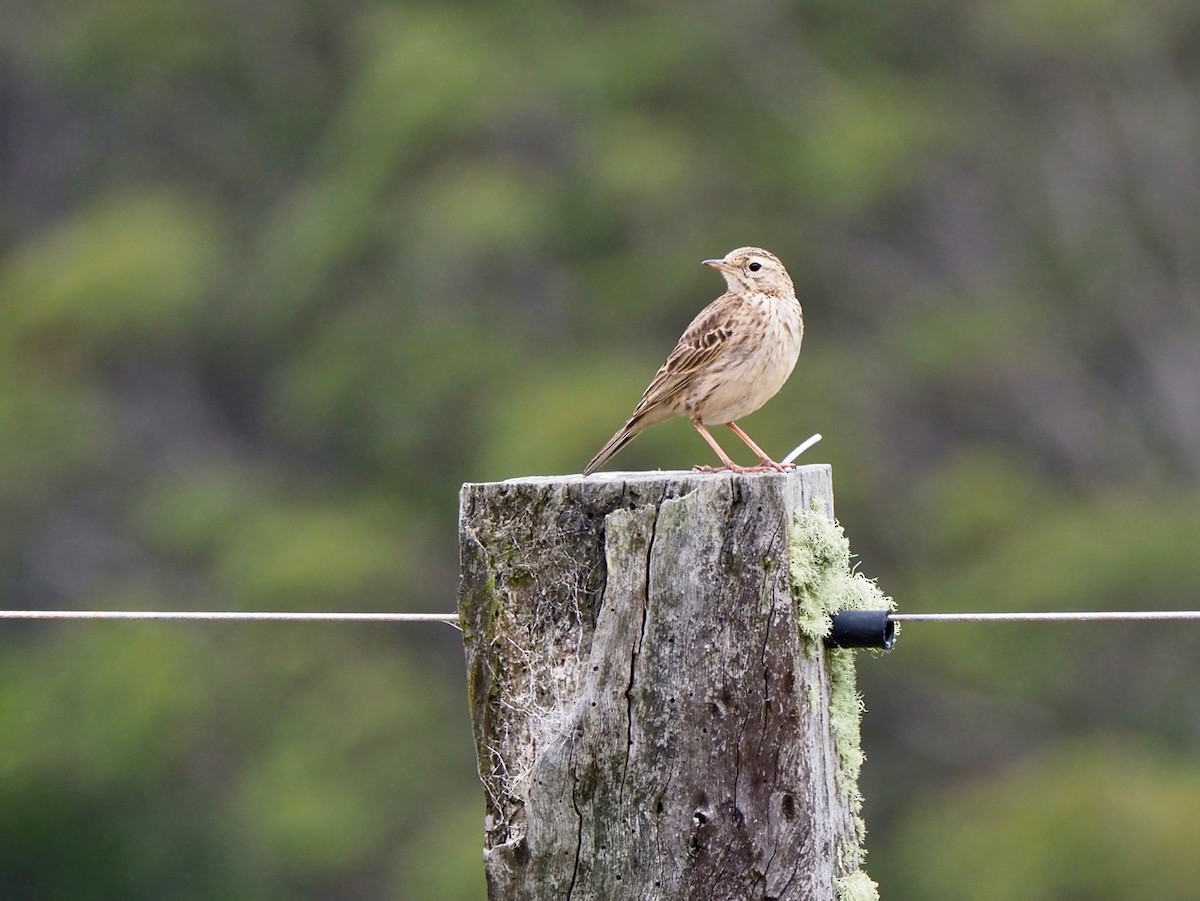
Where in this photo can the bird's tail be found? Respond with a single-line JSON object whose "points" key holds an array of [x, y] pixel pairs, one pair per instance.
{"points": [[624, 435]]}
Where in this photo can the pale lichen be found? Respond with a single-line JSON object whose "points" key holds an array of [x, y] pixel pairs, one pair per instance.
{"points": [[822, 578], [858, 886], [824, 583]]}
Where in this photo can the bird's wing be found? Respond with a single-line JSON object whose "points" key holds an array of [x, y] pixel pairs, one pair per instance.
{"points": [[703, 343]]}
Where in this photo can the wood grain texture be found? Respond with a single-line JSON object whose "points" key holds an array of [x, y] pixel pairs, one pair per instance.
{"points": [[649, 721]]}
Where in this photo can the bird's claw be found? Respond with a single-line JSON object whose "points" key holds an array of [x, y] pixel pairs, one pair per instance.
{"points": [[771, 466], [765, 466]]}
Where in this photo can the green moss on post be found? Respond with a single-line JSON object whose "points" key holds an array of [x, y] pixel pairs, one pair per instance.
{"points": [[856, 887], [825, 583]]}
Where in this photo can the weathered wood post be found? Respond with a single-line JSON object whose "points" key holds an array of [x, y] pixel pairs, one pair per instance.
{"points": [[650, 720]]}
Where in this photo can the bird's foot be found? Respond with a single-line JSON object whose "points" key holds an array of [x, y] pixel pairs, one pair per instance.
{"points": [[769, 465], [765, 466]]}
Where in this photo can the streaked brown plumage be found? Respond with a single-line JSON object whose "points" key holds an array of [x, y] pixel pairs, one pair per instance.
{"points": [[732, 359]]}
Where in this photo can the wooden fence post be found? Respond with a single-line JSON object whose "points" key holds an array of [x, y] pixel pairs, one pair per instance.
{"points": [[649, 719]]}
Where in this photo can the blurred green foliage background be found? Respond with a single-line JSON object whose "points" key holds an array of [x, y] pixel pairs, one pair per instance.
{"points": [[276, 276]]}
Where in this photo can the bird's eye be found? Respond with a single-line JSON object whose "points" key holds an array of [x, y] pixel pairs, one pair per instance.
{"points": [[754, 267]]}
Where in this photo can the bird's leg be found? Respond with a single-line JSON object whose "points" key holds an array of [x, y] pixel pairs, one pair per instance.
{"points": [[712, 442], [767, 462]]}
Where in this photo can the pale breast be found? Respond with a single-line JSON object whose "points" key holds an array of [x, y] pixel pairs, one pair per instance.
{"points": [[756, 366]]}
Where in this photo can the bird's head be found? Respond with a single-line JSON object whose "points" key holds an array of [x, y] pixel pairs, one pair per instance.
{"points": [[756, 270]]}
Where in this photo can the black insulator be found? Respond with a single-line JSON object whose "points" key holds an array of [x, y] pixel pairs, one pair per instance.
{"points": [[862, 629]]}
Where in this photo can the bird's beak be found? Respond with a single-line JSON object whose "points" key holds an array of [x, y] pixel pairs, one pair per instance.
{"points": [[717, 264]]}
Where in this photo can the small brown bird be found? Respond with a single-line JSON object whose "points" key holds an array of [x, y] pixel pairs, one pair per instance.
{"points": [[732, 359]]}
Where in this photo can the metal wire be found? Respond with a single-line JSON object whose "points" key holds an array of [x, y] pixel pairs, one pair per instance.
{"points": [[232, 615], [1070, 616], [803, 446]]}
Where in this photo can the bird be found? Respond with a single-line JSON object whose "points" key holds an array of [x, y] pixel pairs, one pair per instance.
{"points": [[733, 358]]}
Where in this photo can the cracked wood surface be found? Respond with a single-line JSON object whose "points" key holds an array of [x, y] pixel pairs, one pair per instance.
{"points": [[648, 720]]}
